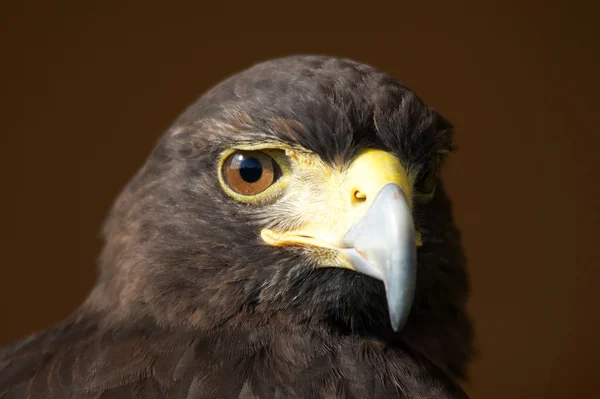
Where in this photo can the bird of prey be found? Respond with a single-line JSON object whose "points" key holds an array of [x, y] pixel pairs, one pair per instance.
{"points": [[288, 237]]}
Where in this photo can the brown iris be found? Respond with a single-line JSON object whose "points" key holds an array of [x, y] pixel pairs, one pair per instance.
{"points": [[250, 172]]}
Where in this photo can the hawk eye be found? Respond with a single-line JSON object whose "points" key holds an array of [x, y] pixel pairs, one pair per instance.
{"points": [[250, 172], [427, 182]]}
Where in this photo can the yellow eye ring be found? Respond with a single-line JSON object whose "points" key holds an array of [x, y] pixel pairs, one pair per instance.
{"points": [[254, 173]]}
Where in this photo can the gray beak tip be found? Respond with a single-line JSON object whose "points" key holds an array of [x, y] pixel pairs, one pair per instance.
{"points": [[395, 325], [386, 235]]}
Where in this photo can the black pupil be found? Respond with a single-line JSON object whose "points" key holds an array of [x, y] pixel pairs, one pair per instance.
{"points": [[250, 170]]}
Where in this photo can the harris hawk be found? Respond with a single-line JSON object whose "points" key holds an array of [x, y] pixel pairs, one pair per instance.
{"points": [[288, 237]]}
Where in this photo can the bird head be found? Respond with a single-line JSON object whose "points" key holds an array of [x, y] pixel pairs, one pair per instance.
{"points": [[304, 190]]}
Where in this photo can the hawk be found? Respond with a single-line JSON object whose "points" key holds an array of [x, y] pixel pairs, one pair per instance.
{"points": [[288, 237]]}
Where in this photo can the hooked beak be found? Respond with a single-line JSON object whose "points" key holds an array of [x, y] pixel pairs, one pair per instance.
{"points": [[383, 245], [370, 205]]}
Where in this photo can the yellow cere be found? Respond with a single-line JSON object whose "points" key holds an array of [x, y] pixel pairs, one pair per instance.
{"points": [[325, 201], [317, 203]]}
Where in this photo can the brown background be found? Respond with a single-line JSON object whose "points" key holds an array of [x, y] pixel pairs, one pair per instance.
{"points": [[88, 89]]}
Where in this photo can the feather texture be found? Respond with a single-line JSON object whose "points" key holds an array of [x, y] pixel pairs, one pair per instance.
{"points": [[272, 362], [190, 303]]}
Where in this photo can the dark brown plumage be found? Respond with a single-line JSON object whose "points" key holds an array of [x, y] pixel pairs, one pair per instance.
{"points": [[191, 303]]}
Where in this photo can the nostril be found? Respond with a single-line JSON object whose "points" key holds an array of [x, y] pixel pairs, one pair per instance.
{"points": [[358, 196]]}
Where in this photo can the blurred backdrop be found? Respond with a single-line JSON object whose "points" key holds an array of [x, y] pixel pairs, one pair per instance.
{"points": [[88, 87]]}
